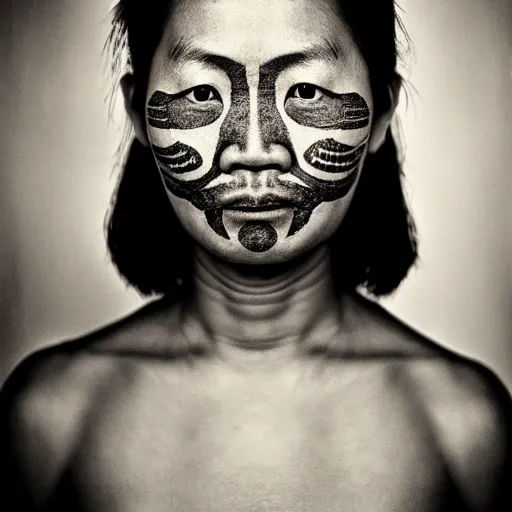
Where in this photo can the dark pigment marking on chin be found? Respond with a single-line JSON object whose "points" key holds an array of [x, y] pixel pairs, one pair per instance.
{"points": [[261, 236], [178, 158], [257, 236], [214, 219], [175, 111], [332, 112]]}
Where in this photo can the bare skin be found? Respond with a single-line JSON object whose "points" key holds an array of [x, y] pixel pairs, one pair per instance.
{"points": [[175, 408], [261, 389]]}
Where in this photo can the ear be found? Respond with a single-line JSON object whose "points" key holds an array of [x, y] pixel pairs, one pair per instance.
{"points": [[137, 118], [382, 121]]}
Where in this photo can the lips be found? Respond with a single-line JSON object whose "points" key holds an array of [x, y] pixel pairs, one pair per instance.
{"points": [[331, 156], [267, 202], [246, 208], [256, 209]]}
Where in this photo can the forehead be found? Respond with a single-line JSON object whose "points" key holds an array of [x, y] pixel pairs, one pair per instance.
{"points": [[257, 30]]}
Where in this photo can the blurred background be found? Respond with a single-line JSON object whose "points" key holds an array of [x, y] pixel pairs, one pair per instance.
{"points": [[57, 173]]}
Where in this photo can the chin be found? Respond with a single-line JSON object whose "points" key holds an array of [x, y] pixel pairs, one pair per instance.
{"points": [[284, 251]]}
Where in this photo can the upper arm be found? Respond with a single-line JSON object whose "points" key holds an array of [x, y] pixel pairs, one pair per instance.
{"points": [[12, 484], [472, 413], [500, 441], [39, 424], [481, 453]]}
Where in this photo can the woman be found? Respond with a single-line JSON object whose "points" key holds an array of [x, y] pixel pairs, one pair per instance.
{"points": [[261, 189]]}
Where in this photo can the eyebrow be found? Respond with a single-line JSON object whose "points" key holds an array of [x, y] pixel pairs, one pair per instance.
{"points": [[185, 52]]}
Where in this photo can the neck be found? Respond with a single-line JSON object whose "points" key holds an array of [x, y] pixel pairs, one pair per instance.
{"points": [[279, 309]]}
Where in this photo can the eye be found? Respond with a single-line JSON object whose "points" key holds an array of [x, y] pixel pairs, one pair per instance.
{"points": [[306, 92], [202, 94]]}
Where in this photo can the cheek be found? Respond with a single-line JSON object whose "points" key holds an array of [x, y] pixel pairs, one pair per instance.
{"points": [[178, 158], [305, 137], [328, 216], [192, 219], [185, 154], [328, 155], [334, 159]]}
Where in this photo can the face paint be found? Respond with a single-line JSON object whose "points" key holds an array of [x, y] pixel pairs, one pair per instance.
{"points": [[339, 162], [330, 112], [331, 156], [178, 158], [257, 236], [232, 131], [343, 111], [176, 111]]}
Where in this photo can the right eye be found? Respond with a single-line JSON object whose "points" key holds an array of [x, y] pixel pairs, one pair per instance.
{"points": [[202, 94]]}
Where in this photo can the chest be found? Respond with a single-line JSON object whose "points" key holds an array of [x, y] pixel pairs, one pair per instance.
{"points": [[360, 448]]}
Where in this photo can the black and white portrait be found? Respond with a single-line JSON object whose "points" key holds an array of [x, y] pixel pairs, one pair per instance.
{"points": [[255, 256]]}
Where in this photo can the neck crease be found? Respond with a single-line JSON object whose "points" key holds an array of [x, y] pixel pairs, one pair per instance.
{"points": [[278, 309]]}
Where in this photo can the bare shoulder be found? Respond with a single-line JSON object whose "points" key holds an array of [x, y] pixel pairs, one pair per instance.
{"points": [[58, 383], [470, 412], [466, 400], [51, 396], [44, 405], [467, 407]]}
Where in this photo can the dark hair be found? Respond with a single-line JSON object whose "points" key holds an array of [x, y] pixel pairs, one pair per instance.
{"points": [[376, 244]]}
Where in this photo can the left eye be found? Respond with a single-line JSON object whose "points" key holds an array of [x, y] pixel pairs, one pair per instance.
{"points": [[306, 92], [202, 94]]}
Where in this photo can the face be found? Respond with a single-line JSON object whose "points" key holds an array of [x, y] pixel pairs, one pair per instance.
{"points": [[259, 116]]}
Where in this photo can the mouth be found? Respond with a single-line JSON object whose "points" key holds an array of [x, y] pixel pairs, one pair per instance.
{"points": [[272, 212], [251, 204], [257, 209], [264, 208]]}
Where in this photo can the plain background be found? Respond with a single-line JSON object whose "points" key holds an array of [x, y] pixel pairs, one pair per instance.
{"points": [[57, 173]]}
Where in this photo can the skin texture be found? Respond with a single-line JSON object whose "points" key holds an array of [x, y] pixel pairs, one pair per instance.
{"points": [[258, 142], [125, 420], [331, 112], [260, 387]]}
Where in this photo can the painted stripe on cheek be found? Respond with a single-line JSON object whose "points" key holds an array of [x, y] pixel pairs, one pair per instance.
{"points": [[178, 158], [331, 156]]}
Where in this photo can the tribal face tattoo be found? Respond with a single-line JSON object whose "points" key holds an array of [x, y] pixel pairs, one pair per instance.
{"points": [[190, 130]]}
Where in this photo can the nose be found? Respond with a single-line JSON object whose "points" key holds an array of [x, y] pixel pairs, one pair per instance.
{"points": [[256, 152]]}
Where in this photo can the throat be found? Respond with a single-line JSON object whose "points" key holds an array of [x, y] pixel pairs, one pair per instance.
{"points": [[284, 309]]}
